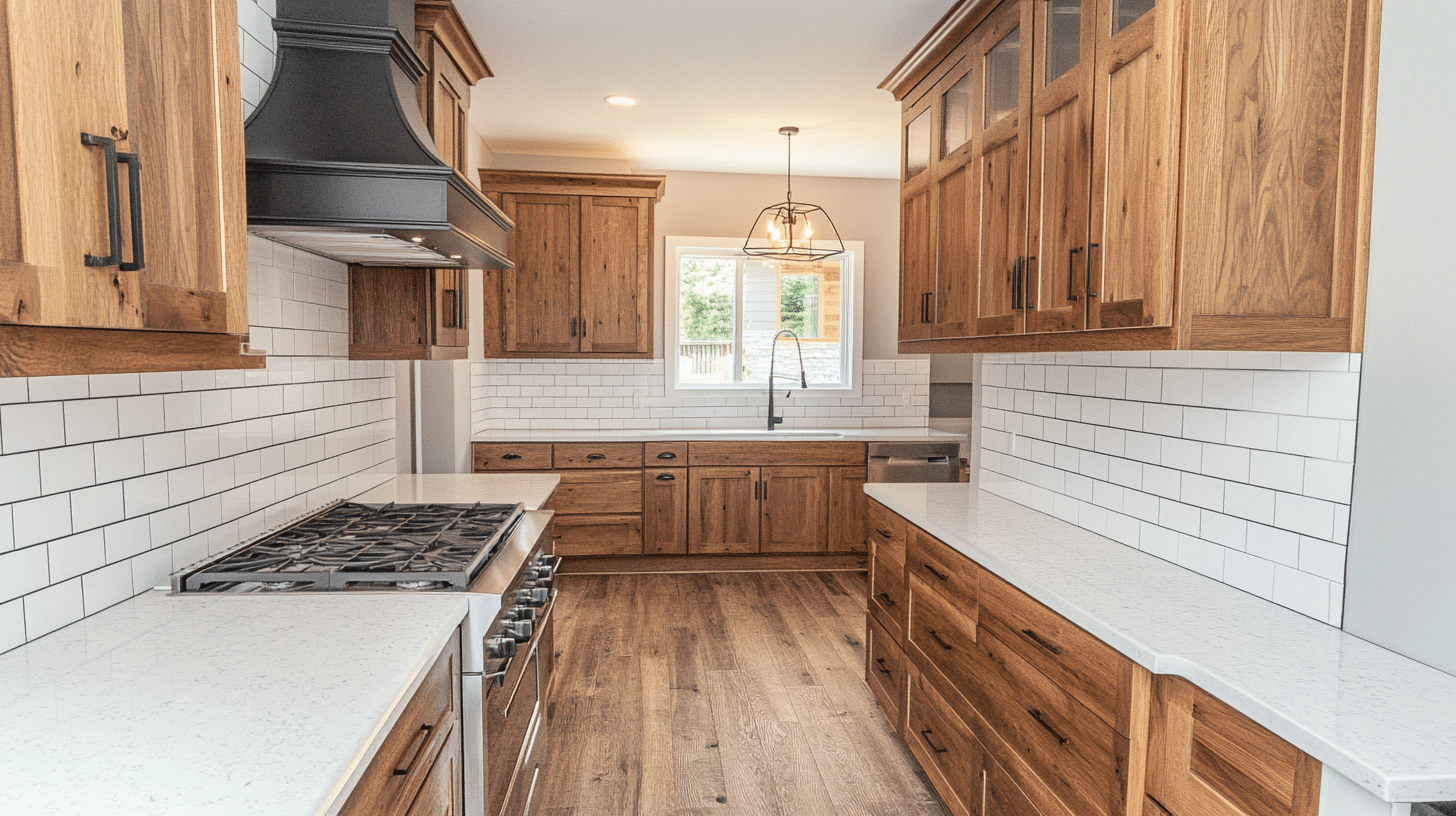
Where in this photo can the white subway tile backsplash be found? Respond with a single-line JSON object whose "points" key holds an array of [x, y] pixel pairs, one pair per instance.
{"points": [[105, 587], [137, 416], [97, 506], [31, 426], [23, 571], [70, 468], [151, 568], [1236, 465], [76, 554], [12, 624], [19, 477], [53, 607], [42, 519]]}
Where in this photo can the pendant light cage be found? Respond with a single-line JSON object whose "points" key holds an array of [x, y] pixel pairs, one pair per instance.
{"points": [[790, 230]]}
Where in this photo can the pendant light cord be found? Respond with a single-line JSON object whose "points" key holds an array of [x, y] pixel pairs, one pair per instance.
{"points": [[789, 176]]}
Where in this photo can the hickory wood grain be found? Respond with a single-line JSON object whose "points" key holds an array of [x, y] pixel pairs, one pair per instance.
{"points": [[732, 695]]}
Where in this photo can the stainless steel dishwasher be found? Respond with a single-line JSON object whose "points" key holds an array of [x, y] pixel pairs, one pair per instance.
{"points": [[914, 461]]}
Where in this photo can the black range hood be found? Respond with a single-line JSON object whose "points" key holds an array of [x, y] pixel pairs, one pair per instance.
{"points": [[339, 161]]}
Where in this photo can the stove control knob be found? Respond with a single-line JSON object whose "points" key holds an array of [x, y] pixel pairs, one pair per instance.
{"points": [[544, 582], [500, 647], [522, 612], [536, 595], [519, 630], [541, 573]]}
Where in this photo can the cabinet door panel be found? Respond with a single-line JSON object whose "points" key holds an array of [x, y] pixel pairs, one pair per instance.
{"points": [[542, 303], [724, 510], [616, 275], [955, 306], [945, 747], [1135, 160], [665, 511], [917, 266], [795, 507], [848, 510]]}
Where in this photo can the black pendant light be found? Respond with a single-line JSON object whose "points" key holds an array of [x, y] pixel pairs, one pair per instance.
{"points": [[790, 231]]}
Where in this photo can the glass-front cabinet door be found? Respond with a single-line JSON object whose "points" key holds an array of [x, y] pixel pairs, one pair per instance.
{"points": [[1135, 160], [1061, 164], [917, 257]]}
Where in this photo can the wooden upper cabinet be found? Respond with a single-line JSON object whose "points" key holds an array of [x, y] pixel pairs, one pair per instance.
{"points": [[122, 209], [453, 64], [408, 313], [1137, 174], [582, 284]]}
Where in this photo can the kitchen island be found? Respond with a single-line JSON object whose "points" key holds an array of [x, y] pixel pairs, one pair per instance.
{"points": [[1384, 725], [227, 704]]}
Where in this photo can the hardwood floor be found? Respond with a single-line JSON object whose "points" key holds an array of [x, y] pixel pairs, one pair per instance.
{"points": [[726, 694]]}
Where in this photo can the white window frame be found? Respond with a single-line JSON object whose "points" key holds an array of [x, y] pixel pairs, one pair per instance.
{"points": [[853, 327]]}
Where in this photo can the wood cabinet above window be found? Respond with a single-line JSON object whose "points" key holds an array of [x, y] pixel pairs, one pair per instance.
{"points": [[1137, 174], [582, 285], [122, 205], [453, 63]]}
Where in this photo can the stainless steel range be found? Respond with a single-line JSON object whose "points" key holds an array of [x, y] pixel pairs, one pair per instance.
{"points": [[499, 555]]}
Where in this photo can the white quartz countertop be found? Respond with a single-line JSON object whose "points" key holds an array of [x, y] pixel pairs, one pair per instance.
{"points": [[531, 489], [216, 704], [1386, 722], [786, 433]]}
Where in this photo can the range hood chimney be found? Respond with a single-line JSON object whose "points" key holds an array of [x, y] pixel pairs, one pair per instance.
{"points": [[340, 162]]}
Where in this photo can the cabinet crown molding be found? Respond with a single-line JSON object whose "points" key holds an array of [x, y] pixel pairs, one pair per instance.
{"points": [[581, 184], [943, 38], [440, 19]]}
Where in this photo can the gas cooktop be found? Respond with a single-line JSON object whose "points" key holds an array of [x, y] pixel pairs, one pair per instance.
{"points": [[349, 546]]}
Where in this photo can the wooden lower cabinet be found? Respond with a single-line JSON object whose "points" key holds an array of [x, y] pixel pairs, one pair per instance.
{"points": [[794, 510], [723, 514], [417, 768], [886, 672], [848, 510], [664, 511], [1206, 759]]}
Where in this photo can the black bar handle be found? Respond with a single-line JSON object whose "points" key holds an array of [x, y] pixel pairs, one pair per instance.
{"points": [[925, 735], [1016, 271], [883, 670], [419, 746], [666, 477], [1036, 715], [756, 485], [1042, 642], [113, 201], [937, 573], [667, 455], [592, 457], [1072, 273], [885, 596], [1091, 293], [937, 638], [573, 327], [883, 534], [511, 456], [134, 203]]}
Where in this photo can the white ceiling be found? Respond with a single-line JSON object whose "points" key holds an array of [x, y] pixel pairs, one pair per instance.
{"points": [[714, 80]]}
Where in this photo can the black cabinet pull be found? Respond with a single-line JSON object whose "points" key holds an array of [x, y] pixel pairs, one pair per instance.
{"points": [[1091, 293], [883, 670], [592, 457], [667, 455], [765, 489], [925, 307], [1036, 715], [666, 477], [511, 456], [937, 573], [1016, 281], [937, 639], [573, 327], [885, 596], [882, 533], [755, 491], [1072, 272], [134, 203], [1042, 642], [113, 201], [419, 746], [925, 735]]}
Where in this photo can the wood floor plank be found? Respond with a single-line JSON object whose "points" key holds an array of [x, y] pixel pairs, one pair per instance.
{"points": [[765, 760]]}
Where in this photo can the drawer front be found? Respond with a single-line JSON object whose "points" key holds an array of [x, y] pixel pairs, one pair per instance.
{"points": [[944, 747], [952, 575], [1205, 758], [885, 672], [403, 761], [598, 491], [598, 455], [598, 535], [1093, 672], [760, 454], [487, 457], [888, 599], [887, 531], [665, 454], [1076, 756], [440, 793], [943, 634]]}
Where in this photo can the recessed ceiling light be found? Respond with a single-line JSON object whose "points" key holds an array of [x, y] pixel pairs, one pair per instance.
{"points": [[621, 101]]}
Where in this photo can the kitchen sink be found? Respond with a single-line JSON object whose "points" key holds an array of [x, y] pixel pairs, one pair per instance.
{"points": [[767, 433]]}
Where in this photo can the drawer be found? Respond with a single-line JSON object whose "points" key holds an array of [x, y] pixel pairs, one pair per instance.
{"points": [[403, 761], [943, 634], [888, 599], [1093, 672], [952, 575], [597, 455], [491, 456], [598, 491], [885, 672], [1041, 729], [887, 530], [1206, 759], [665, 454], [598, 535], [766, 454], [945, 747]]}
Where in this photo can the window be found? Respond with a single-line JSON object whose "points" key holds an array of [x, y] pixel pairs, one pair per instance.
{"points": [[725, 309]]}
